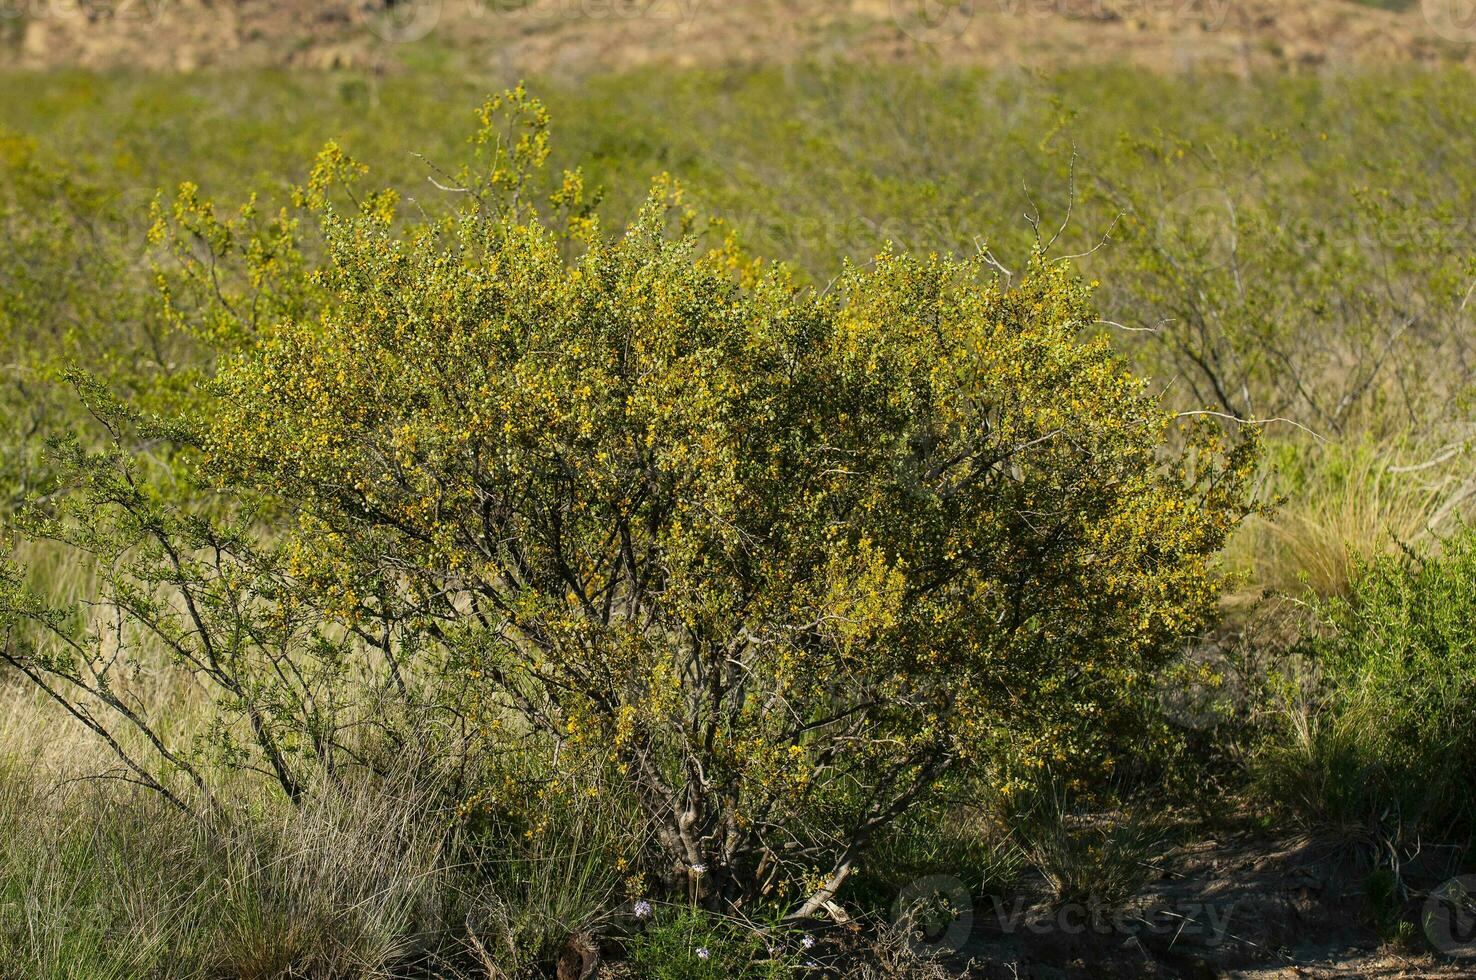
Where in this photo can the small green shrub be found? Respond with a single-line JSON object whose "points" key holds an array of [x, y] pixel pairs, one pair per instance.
{"points": [[690, 944], [1381, 744]]}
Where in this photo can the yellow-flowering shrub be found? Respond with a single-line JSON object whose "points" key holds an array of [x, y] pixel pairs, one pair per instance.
{"points": [[775, 559]]}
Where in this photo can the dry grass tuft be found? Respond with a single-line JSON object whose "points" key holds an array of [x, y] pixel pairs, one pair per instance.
{"points": [[1341, 504]]}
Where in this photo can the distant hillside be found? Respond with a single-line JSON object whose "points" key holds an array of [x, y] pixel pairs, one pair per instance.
{"points": [[578, 37]]}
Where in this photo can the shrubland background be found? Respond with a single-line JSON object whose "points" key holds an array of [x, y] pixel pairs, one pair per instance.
{"points": [[1284, 254]]}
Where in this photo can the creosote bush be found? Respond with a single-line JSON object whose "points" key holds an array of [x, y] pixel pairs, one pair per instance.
{"points": [[770, 560]]}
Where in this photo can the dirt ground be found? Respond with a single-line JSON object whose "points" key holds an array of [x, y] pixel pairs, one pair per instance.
{"points": [[1232, 905], [574, 38]]}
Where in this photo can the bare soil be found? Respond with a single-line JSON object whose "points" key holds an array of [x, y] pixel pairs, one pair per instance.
{"points": [[1233, 905], [577, 38]]}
